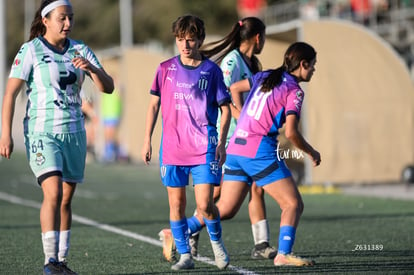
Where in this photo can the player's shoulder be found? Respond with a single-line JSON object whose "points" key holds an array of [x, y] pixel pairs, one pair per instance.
{"points": [[233, 55], [77, 44], [170, 64], [210, 65]]}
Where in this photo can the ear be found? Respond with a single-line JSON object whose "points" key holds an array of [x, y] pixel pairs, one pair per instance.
{"points": [[304, 64], [44, 20], [257, 38]]}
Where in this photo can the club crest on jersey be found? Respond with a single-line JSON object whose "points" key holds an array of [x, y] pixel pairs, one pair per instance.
{"points": [[40, 159], [202, 83], [77, 54]]}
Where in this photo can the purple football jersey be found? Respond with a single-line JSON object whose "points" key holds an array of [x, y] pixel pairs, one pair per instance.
{"points": [[190, 98], [263, 114]]}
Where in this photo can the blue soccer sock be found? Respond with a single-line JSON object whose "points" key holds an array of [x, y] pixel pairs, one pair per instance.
{"points": [[213, 228], [194, 226], [179, 231], [286, 239]]}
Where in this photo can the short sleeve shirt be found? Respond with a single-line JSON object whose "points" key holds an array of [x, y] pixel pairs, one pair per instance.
{"points": [[263, 114], [53, 85], [190, 98]]}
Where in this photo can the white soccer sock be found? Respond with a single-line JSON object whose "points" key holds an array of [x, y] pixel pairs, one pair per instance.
{"points": [[260, 232], [64, 244], [50, 241]]}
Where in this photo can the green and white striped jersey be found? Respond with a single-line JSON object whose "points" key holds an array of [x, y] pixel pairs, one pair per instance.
{"points": [[53, 85]]}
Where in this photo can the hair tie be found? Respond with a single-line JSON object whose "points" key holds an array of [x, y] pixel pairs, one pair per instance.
{"points": [[240, 23]]}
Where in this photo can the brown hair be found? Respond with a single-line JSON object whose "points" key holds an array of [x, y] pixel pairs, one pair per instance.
{"points": [[37, 28], [243, 30], [296, 53], [189, 25]]}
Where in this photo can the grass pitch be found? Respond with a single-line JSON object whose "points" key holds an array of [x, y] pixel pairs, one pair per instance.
{"points": [[120, 209]]}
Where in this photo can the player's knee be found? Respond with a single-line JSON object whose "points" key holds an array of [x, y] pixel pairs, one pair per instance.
{"points": [[294, 206], [225, 212]]}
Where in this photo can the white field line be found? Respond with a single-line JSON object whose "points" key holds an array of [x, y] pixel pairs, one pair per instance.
{"points": [[106, 227]]}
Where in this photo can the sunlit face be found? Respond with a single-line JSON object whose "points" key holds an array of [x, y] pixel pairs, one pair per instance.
{"points": [[308, 68], [188, 46], [59, 23]]}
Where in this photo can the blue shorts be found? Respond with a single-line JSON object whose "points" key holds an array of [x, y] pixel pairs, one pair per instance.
{"points": [[178, 176], [263, 170], [57, 154]]}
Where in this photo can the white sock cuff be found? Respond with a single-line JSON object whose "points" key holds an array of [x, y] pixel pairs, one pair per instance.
{"points": [[50, 234]]}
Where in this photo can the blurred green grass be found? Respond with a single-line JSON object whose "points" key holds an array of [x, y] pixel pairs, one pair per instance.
{"points": [[131, 197]]}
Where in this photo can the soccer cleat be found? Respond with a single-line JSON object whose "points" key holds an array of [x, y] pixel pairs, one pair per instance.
{"points": [[263, 251], [291, 260], [53, 268], [221, 256], [66, 269], [194, 244], [168, 245], [185, 262]]}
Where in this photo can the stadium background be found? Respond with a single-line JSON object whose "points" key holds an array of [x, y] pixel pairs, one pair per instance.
{"points": [[358, 109]]}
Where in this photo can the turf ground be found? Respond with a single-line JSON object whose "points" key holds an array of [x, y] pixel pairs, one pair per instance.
{"points": [[119, 210]]}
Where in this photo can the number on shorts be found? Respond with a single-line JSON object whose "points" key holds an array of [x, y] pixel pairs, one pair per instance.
{"points": [[37, 145]]}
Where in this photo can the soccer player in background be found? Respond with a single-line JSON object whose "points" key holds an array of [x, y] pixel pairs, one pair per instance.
{"points": [[189, 89], [53, 67], [236, 54]]}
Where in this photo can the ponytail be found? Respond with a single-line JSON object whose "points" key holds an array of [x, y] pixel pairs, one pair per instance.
{"points": [[296, 53], [242, 30]]}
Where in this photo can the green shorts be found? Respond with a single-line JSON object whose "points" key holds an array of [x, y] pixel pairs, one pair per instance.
{"points": [[57, 154]]}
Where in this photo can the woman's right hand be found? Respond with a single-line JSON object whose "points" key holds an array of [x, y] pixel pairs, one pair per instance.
{"points": [[316, 157], [146, 153]]}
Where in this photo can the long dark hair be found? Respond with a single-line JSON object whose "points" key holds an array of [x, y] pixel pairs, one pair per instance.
{"points": [[296, 53], [243, 30], [37, 28]]}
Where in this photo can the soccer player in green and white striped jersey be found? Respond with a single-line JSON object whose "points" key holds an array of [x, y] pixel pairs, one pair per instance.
{"points": [[53, 66]]}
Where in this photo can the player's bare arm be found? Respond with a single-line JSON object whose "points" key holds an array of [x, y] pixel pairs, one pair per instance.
{"points": [[102, 80], [6, 141], [152, 115], [224, 129], [236, 90], [295, 137]]}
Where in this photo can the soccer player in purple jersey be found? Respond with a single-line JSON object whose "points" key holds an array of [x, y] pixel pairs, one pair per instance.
{"points": [[236, 54], [275, 99], [190, 90]]}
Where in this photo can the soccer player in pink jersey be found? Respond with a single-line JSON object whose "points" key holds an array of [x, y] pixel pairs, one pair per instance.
{"points": [[275, 99], [236, 54], [190, 90]]}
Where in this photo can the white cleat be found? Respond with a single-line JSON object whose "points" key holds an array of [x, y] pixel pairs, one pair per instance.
{"points": [[220, 253]]}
